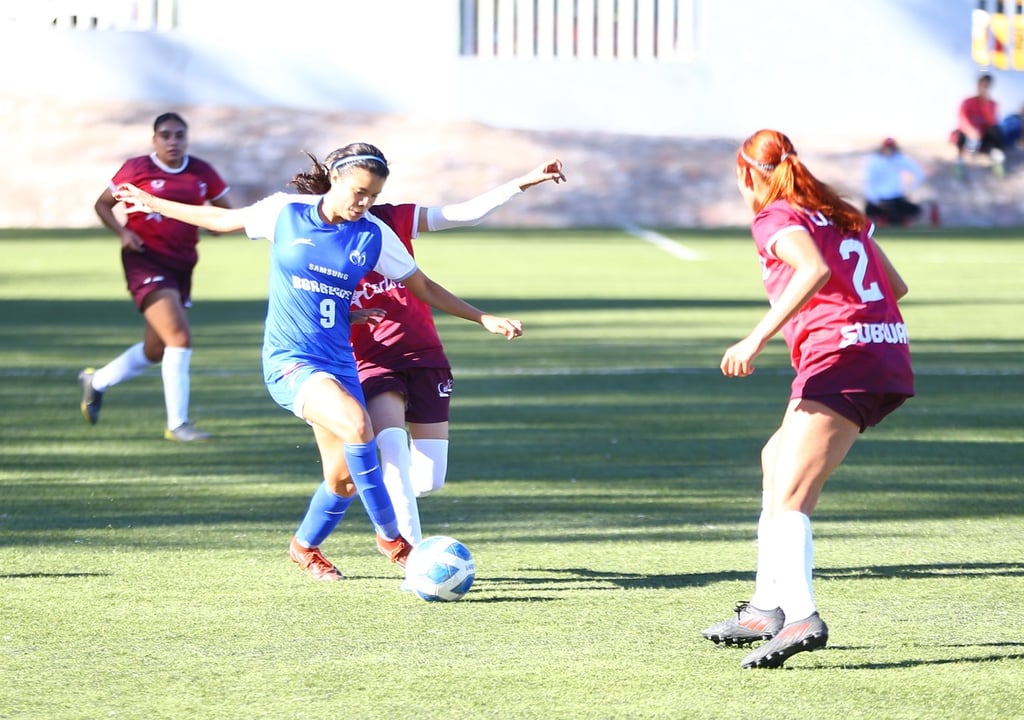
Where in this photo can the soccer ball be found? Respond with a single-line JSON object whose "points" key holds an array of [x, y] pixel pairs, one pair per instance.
{"points": [[440, 569]]}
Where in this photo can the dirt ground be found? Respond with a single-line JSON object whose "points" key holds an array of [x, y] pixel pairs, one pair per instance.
{"points": [[59, 157]]}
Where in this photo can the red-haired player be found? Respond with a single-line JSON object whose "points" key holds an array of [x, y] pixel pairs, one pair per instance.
{"points": [[833, 295]]}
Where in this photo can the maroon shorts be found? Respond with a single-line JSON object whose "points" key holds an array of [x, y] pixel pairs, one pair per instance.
{"points": [[865, 409], [146, 273], [427, 391]]}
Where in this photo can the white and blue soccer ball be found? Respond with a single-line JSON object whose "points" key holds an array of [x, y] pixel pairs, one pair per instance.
{"points": [[440, 569]]}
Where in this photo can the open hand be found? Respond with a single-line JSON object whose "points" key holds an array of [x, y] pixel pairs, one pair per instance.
{"points": [[551, 170], [368, 316], [134, 199], [511, 329]]}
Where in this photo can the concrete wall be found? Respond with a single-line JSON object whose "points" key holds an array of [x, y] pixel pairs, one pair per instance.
{"points": [[648, 143], [831, 69]]}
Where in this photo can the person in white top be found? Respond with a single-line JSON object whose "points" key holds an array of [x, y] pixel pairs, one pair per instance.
{"points": [[890, 176]]}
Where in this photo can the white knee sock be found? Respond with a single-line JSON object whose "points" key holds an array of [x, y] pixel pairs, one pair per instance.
{"points": [[795, 548], [393, 444], [766, 595], [429, 465], [175, 371], [131, 363]]}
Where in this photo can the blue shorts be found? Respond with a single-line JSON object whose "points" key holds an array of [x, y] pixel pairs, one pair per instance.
{"points": [[288, 380]]}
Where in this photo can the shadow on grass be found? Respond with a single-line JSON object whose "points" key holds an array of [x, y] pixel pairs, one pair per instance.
{"points": [[901, 664], [51, 575], [577, 579]]}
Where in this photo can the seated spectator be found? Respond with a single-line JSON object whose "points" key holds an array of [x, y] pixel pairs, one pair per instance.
{"points": [[978, 129], [889, 177]]}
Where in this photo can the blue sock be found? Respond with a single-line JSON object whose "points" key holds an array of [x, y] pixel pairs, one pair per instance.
{"points": [[369, 482], [325, 512]]}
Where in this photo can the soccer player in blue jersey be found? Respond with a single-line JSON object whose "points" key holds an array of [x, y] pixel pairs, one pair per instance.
{"points": [[319, 253]]}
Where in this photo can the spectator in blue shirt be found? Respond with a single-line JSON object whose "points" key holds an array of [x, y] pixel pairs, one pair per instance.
{"points": [[889, 178]]}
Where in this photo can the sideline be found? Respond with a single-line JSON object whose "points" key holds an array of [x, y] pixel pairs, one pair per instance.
{"points": [[658, 240]]}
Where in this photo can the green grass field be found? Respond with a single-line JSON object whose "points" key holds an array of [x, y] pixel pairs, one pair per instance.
{"points": [[602, 470]]}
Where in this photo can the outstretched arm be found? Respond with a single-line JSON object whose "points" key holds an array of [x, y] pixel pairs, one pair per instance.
{"points": [[473, 211], [438, 297], [211, 217]]}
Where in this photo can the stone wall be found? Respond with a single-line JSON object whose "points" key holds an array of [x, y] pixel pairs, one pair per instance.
{"points": [[59, 155]]}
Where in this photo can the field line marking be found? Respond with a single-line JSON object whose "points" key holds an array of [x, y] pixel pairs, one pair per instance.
{"points": [[673, 248]]}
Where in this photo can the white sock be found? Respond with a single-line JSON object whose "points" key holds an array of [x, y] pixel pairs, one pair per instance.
{"points": [[131, 363], [175, 369], [429, 465], [794, 546], [393, 444], [766, 595]]}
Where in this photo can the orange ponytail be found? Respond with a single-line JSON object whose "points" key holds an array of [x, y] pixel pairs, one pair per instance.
{"points": [[771, 154]]}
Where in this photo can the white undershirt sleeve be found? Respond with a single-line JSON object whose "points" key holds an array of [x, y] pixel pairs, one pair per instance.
{"points": [[472, 211]]}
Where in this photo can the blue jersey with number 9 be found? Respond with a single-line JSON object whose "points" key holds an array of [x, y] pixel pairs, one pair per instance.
{"points": [[315, 266]]}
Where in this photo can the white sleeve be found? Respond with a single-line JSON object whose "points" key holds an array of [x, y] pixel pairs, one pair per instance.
{"points": [[261, 218], [472, 211]]}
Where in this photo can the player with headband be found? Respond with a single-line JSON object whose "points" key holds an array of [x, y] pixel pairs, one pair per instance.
{"points": [[320, 250], [833, 295]]}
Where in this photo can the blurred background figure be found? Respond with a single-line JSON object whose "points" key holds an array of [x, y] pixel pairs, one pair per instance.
{"points": [[159, 255], [889, 177], [978, 129], [1012, 126]]}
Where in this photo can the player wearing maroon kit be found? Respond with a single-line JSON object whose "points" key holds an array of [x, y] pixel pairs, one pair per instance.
{"points": [[158, 255], [405, 374], [833, 296], [322, 245]]}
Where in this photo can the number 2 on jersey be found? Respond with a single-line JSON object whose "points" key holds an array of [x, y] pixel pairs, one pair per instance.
{"points": [[852, 246]]}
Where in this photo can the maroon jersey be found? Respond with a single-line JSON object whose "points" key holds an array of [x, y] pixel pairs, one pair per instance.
{"points": [[406, 337], [850, 337], [194, 183]]}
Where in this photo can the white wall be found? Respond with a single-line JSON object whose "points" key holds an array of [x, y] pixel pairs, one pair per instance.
{"points": [[830, 69]]}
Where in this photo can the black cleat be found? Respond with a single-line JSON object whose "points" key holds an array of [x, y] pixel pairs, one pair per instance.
{"points": [[804, 635], [750, 625], [92, 400]]}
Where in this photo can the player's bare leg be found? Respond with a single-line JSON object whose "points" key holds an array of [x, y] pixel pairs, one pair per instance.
{"points": [[168, 340]]}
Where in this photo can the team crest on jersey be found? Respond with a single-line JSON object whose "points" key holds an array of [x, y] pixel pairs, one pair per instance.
{"points": [[158, 184], [357, 257]]}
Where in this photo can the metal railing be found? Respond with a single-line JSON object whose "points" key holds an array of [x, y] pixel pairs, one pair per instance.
{"points": [[130, 15], [625, 30]]}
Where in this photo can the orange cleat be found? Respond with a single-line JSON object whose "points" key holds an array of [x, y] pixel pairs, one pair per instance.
{"points": [[396, 550], [313, 561]]}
